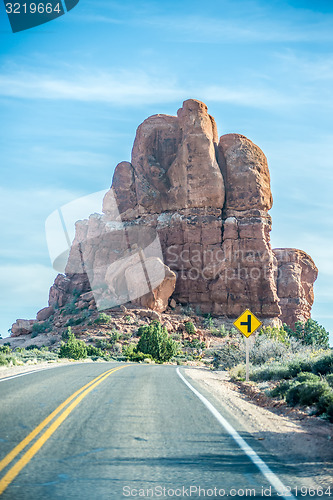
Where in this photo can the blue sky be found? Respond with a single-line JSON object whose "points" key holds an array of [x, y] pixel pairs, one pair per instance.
{"points": [[73, 91]]}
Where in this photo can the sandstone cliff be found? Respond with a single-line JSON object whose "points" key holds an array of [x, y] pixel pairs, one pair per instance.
{"points": [[187, 219]]}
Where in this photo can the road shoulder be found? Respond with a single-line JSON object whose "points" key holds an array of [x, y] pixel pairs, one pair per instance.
{"points": [[293, 438]]}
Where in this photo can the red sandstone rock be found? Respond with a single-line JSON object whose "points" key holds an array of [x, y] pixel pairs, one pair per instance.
{"points": [[199, 204], [296, 275], [22, 327], [247, 274], [45, 313]]}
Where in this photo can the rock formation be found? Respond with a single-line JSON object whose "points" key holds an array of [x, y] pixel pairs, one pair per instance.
{"points": [[296, 274], [187, 220]]}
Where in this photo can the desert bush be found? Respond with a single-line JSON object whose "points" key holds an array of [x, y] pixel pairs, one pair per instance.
{"points": [[221, 331], [267, 348], [272, 371], [138, 357], [307, 393], [325, 405], [281, 389], [6, 359], [208, 322], [323, 365], [307, 377], [73, 348], [38, 328], [194, 344], [70, 308], [103, 344], [278, 334], [5, 349], [114, 336], [309, 333], [75, 321], [94, 351], [228, 356], [156, 341], [103, 319], [299, 365], [238, 372], [190, 328]]}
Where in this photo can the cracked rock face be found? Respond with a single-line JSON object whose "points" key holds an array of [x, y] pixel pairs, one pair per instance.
{"points": [[194, 208]]}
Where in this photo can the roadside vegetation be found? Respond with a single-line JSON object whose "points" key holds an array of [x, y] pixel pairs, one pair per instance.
{"points": [[293, 365], [30, 355]]}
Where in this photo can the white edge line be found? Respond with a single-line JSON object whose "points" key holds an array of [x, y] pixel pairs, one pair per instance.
{"points": [[254, 457]]}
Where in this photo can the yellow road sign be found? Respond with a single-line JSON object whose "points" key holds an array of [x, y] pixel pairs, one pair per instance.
{"points": [[247, 323]]}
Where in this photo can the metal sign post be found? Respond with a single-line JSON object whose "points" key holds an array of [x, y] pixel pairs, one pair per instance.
{"points": [[247, 323], [247, 341]]}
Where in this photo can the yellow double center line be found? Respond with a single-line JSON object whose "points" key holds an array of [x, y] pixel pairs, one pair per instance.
{"points": [[25, 459]]}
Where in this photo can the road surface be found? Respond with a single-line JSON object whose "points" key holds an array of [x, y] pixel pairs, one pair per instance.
{"points": [[113, 431]]}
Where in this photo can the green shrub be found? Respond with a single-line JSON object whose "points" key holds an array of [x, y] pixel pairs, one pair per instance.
{"points": [[306, 393], [324, 365], [5, 349], [325, 401], [114, 336], [190, 328], [298, 366], [104, 344], [279, 334], [194, 344], [208, 322], [138, 357], [238, 372], [307, 377], [281, 389], [274, 371], [75, 322], [309, 333], [65, 334], [329, 379], [228, 356], [155, 341], [6, 360], [103, 319], [70, 308], [94, 351], [38, 328], [221, 331], [73, 348], [266, 348]]}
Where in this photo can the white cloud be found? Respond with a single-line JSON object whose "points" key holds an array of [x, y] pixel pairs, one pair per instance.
{"points": [[119, 87], [123, 88]]}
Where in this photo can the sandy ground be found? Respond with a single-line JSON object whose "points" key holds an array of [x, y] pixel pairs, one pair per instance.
{"points": [[9, 371], [290, 434]]}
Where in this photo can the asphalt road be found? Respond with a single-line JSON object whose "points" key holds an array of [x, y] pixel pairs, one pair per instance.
{"points": [[137, 428]]}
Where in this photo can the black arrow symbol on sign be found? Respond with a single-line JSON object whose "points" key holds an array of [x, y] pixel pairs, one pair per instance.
{"points": [[247, 323]]}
